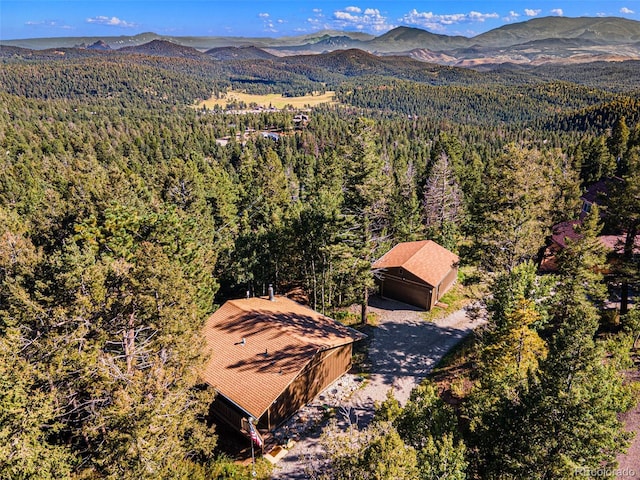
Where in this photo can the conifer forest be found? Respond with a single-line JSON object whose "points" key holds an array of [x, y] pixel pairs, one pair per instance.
{"points": [[125, 220]]}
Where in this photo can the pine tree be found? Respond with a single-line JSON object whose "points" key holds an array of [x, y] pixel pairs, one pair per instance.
{"points": [[623, 212], [112, 324], [563, 419], [598, 163], [30, 423], [618, 142], [516, 216], [583, 261], [509, 289], [314, 233], [443, 204], [405, 208], [428, 425], [374, 453], [513, 352], [365, 205]]}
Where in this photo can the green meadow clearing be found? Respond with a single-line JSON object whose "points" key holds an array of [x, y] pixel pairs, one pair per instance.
{"points": [[272, 99]]}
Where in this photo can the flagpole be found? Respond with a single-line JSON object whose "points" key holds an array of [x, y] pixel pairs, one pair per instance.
{"points": [[253, 461], [253, 458]]}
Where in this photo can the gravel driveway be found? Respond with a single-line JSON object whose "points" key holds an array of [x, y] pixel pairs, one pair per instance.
{"points": [[402, 351]]}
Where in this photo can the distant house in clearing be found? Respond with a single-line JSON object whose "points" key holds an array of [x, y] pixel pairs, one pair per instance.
{"points": [[417, 273], [269, 357], [565, 232], [271, 136], [593, 195]]}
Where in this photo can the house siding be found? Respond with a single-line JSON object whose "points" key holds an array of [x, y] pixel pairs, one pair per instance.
{"points": [[326, 367], [446, 284], [223, 409], [398, 284]]}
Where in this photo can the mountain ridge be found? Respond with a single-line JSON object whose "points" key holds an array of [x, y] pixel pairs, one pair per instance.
{"points": [[535, 41]]}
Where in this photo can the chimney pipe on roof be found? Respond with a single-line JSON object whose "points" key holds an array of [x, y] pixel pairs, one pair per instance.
{"points": [[248, 293], [271, 295]]}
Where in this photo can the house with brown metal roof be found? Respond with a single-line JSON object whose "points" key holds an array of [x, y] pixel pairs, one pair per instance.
{"points": [[270, 356], [417, 273]]}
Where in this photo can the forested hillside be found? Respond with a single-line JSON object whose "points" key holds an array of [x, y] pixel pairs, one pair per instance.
{"points": [[124, 222]]}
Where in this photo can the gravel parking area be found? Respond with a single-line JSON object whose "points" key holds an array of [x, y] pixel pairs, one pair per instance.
{"points": [[402, 350]]}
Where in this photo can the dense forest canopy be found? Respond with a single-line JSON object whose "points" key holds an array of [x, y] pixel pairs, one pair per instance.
{"points": [[124, 222]]}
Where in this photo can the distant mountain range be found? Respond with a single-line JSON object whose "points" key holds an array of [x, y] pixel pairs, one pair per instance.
{"points": [[548, 40]]}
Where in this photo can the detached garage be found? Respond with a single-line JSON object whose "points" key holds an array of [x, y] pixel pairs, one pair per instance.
{"points": [[417, 273]]}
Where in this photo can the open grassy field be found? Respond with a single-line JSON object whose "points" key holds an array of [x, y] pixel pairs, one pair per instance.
{"points": [[274, 100]]}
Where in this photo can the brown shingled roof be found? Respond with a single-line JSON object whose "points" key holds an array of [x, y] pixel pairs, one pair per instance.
{"points": [[425, 259], [280, 338]]}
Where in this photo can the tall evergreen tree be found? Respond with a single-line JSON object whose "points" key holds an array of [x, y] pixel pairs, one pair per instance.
{"points": [[113, 325], [374, 453], [30, 422], [315, 234], [443, 204], [618, 143], [517, 205], [598, 162], [429, 425], [563, 420], [405, 208], [623, 212], [365, 205]]}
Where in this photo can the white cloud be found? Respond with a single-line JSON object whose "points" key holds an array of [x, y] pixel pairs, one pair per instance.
{"points": [[439, 22], [48, 23], [354, 17], [269, 26], [511, 17], [626, 11], [346, 16], [557, 11], [529, 12], [316, 22], [110, 21], [481, 17]]}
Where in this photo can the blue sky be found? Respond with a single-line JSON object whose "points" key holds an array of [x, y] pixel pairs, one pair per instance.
{"points": [[276, 18]]}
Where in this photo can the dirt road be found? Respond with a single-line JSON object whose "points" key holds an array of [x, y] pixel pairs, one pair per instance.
{"points": [[402, 351]]}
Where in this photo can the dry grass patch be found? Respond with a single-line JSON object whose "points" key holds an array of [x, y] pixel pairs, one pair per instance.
{"points": [[453, 374], [465, 291], [270, 100]]}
